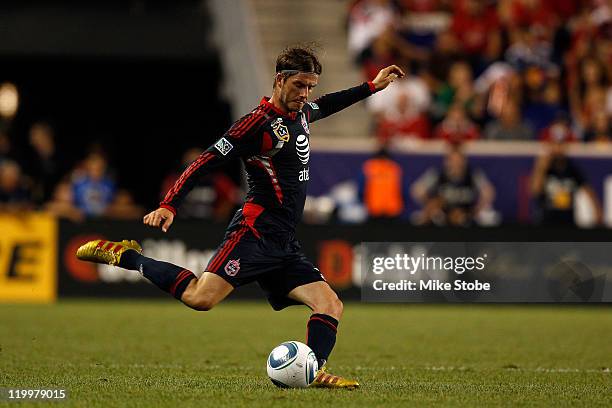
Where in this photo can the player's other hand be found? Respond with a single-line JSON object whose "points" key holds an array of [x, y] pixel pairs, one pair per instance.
{"points": [[386, 76], [161, 216]]}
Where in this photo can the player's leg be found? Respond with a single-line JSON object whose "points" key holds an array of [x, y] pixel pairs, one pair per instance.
{"points": [[296, 281], [199, 294], [323, 323], [322, 327], [206, 292]]}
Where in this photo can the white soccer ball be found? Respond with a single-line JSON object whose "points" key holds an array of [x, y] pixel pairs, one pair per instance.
{"points": [[292, 365]]}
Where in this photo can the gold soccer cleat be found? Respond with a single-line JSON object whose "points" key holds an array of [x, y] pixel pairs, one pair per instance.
{"points": [[106, 252], [326, 380]]}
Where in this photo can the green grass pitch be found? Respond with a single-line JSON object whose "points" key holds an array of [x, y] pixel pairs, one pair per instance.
{"points": [[158, 353]]}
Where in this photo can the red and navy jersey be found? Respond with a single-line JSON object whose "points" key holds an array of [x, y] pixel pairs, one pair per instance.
{"points": [[275, 149]]}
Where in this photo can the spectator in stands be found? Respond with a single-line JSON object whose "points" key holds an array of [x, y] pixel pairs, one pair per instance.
{"points": [[14, 192], [62, 203], [93, 188], [445, 53], [476, 26], [44, 164], [381, 187], [380, 54], [588, 92], [499, 85], [123, 207], [457, 126], [542, 102], [529, 48], [555, 182], [214, 197], [559, 131], [600, 130], [404, 121], [453, 195], [402, 113], [583, 35], [510, 125], [539, 13], [423, 20], [6, 147], [374, 36], [542, 19], [459, 89], [367, 21]]}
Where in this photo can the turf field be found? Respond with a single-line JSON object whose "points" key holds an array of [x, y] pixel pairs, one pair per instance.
{"points": [[157, 353]]}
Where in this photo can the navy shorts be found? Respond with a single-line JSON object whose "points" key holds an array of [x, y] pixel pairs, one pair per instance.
{"points": [[276, 264]]}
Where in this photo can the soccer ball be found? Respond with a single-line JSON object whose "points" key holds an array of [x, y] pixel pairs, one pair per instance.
{"points": [[292, 365]]}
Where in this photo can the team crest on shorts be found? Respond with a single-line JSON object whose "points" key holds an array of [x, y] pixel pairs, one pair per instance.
{"points": [[280, 130], [232, 267]]}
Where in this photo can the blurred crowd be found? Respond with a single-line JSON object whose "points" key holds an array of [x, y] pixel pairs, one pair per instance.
{"points": [[488, 69], [536, 70], [455, 193], [506, 70], [39, 178]]}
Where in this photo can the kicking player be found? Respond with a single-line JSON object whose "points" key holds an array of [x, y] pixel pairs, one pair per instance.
{"points": [[259, 244]]}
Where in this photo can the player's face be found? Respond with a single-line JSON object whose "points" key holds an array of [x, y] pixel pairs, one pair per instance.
{"points": [[296, 89]]}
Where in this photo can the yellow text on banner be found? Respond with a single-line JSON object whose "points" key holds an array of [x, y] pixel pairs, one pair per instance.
{"points": [[28, 264]]}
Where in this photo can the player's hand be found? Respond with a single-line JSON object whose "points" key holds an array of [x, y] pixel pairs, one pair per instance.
{"points": [[386, 76], [161, 216]]}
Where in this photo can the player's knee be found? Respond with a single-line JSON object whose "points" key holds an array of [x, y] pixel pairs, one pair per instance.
{"points": [[331, 306], [338, 307], [203, 305]]}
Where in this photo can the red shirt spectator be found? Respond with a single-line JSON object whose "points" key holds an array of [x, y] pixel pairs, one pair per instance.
{"points": [[457, 127], [417, 127], [421, 6], [473, 24], [532, 12], [558, 131]]}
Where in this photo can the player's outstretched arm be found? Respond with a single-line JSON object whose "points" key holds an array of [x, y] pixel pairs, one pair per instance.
{"points": [[241, 140], [161, 216], [334, 102]]}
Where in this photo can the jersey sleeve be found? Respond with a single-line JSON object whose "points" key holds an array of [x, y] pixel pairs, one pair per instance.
{"points": [[243, 139], [334, 102]]}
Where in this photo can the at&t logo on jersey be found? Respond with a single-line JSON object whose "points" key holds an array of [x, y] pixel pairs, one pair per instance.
{"points": [[304, 176], [302, 146]]}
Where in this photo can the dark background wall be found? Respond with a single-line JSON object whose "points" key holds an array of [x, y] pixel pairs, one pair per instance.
{"points": [[138, 78]]}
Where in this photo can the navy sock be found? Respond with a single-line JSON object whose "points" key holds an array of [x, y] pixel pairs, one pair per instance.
{"points": [[321, 336], [166, 276]]}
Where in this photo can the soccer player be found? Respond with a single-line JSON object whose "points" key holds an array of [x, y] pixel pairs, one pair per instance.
{"points": [[259, 244]]}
